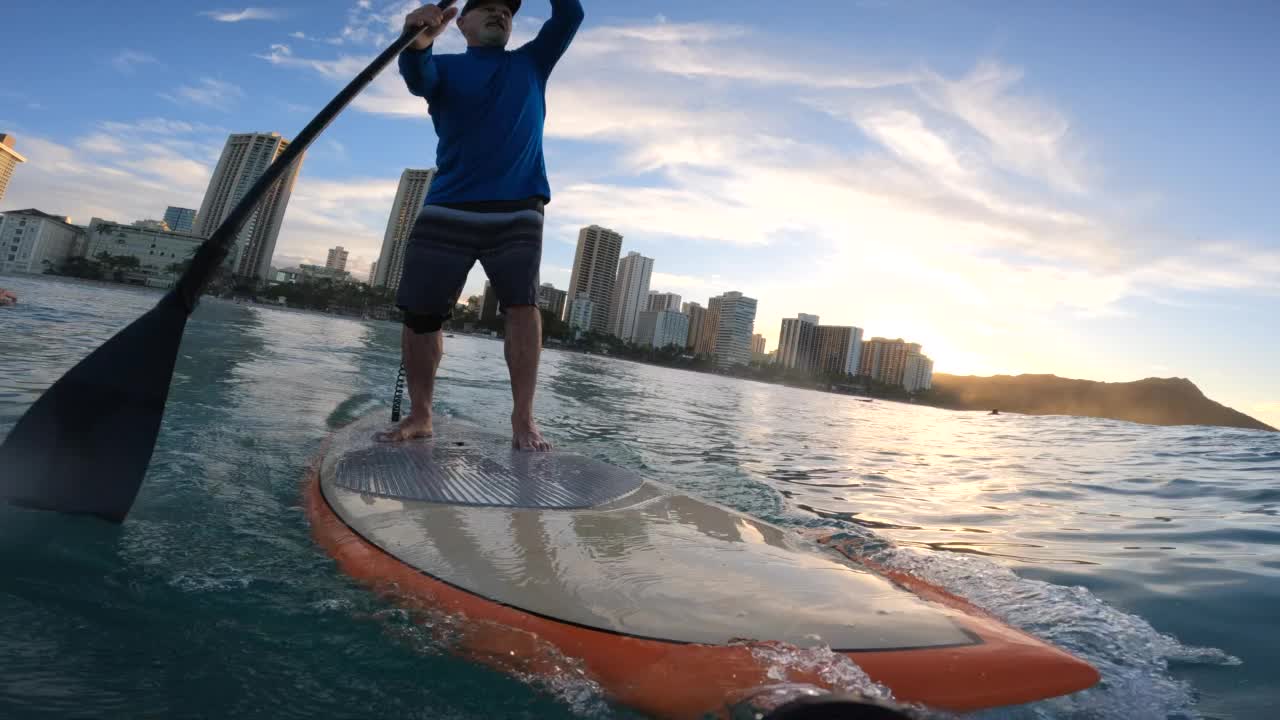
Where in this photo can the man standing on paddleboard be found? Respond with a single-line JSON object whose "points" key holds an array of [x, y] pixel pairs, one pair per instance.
{"points": [[486, 203]]}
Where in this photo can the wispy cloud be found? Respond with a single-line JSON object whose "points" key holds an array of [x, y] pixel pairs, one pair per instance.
{"points": [[211, 93], [251, 13], [299, 35], [102, 143], [127, 61]]}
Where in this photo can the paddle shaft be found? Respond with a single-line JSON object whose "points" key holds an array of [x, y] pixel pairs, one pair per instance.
{"points": [[211, 254]]}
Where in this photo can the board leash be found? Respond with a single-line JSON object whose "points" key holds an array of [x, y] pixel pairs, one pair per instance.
{"points": [[398, 397]]}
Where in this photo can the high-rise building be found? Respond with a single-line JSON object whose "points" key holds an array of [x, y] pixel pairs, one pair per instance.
{"points": [[245, 158], [884, 360], [670, 328], [489, 310], [410, 196], [797, 342], [32, 241], [697, 314], [181, 220], [595, 270], [660, 301], [9, 159], [552, 300], [337, 259], [918, 373], [373, 273], [630, 294], [662, 328], [646, 323], [710, 325], [837, 349], [581, 312], [737, 321], [758, 355]]}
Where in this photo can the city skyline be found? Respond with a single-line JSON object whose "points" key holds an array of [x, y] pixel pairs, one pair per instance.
{"points": [[970, 179]]}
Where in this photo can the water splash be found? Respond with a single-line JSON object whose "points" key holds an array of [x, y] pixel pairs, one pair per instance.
{"points": [[1132, 656], [785, 662]]}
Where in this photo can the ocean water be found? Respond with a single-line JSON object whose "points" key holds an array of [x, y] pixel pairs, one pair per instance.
{"points": [[1152, 552]]}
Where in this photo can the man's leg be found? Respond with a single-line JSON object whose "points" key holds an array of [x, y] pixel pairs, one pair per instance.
{"points": [[432, 279], [421, 353], [523, 346]]}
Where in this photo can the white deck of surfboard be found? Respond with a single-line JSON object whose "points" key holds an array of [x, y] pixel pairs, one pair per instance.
{"points": [[642, 560]]}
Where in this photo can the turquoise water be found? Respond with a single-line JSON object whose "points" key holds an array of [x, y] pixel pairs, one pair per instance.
{"points": [[1152, 552]]}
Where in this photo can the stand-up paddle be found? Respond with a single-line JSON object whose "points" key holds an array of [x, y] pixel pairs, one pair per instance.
{"points": [[84, 446]]}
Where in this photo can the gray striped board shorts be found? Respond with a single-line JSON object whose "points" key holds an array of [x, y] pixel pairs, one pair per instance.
{"points": [[446, 242]]}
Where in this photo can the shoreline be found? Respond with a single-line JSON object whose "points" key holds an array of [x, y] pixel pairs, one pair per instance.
{"points": [[867, 398]]}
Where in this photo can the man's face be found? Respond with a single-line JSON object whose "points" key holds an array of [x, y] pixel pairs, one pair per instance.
{"points": [[488, 25]]}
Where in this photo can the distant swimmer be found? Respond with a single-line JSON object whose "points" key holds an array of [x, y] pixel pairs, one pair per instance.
{"points": [[995, 412], [8, 297]]}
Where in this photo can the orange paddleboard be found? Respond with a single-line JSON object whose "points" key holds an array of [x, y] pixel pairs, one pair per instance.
{"points": [[675, 606]]}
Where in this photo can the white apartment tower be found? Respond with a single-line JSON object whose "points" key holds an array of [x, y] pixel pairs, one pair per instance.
{"points": [[410, 197], [736, 325], [670, 328], [595, 268], [918, 373], [630, 294], [581, 312], [245, 158]]}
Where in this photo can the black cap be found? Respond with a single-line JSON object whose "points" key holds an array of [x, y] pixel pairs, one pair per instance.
{"points": [[472, 4]]}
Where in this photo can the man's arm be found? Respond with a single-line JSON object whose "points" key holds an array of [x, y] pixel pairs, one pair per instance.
{"points": [[556, 34], [421, 76], [417, 64]]}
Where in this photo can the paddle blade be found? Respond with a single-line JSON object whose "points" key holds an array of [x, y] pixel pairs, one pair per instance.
{"points": [[84, 446]]}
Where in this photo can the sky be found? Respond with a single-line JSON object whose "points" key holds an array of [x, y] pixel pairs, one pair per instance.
{"points": [[1086, 189]]}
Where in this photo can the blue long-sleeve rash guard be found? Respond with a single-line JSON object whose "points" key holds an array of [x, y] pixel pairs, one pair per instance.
{"points": [[489, 106]]}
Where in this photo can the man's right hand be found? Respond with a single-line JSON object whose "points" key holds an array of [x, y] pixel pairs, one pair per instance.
{"points": [[433, 19]]}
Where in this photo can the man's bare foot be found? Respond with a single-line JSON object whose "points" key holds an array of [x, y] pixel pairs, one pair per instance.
{"points": [[525, 436], [414, 427]]}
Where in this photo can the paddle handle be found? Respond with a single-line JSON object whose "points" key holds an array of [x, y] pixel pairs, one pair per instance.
{"points": [[213, 252]]}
